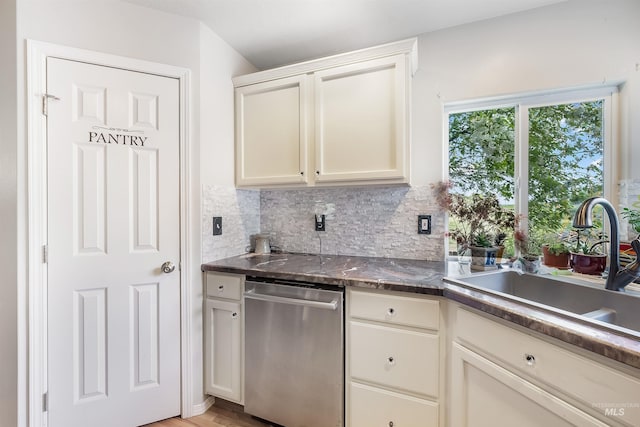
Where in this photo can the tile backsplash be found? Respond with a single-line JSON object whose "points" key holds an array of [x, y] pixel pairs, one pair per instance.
{"points": [[371, 221], [240, 212], [379, 221]]}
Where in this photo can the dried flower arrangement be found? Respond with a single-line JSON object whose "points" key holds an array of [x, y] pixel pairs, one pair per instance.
{"points": [[478, 220], [527, 244]]}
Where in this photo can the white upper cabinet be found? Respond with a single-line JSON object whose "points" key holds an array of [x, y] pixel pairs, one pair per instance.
{"points": [[271, 132], [334, 121], [361, 126]]}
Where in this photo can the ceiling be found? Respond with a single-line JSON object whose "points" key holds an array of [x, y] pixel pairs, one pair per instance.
{"points": [[270, 33]]}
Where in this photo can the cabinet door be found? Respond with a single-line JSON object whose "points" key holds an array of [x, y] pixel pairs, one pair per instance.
{"points": [[554, 367], [223, 351], [361, 121], [485, 394], [271, 133]]}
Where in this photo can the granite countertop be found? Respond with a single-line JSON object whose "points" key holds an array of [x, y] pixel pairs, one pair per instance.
{"points": [[405, 275], [617, 346], [425, 277]]}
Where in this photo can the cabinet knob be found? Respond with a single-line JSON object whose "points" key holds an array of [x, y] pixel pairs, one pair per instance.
{"points": [[317, 172], [390, 423], [234, 314], [220, 287], [302, 173], [391, 360], [391, 311], [530, 358]]}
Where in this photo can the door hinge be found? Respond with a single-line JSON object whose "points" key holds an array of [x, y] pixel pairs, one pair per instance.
{"points": [[45, 402], [45, 103], [45, 254]]}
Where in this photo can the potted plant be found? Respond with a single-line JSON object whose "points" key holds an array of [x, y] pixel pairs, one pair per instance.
{"points": [[587, 255], [483, 253], [479, 224], [556, 253], [529, 250], [627, 254], [633, 218], [499, 241]]}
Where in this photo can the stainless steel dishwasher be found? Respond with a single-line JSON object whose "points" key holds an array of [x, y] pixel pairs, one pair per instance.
{"points": [[294, 354]]}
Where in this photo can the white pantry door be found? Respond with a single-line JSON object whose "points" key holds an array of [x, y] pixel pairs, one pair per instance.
{"points": [[113, 220]]}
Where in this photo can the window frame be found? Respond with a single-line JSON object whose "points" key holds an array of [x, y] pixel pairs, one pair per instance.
{"points": [[521, 104]]}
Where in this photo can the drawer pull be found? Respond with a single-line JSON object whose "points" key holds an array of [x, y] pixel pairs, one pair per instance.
{"points": [[391, 311], [530, 358]]}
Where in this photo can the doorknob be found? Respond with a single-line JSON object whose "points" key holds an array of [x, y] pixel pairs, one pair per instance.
{"points": [[168, 267]]}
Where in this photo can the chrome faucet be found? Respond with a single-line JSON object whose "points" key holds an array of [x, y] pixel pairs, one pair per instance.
{"points": [[617, 278]]}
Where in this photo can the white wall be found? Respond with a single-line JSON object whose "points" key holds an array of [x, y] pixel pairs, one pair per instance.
{"points": [[218, 63], [578, 42], [8, 214], [216, 101], [119, 28]]}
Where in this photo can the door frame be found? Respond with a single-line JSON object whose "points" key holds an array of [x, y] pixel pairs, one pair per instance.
{"points": [[37, 54]]}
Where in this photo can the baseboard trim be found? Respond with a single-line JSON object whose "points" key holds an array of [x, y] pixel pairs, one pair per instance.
{"points": [[201, 408]]}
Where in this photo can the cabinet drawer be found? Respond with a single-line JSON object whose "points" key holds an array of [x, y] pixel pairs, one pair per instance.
{"points": [[395, 309], [221, 285], [402, 359], [369, 407], [609, 391]]}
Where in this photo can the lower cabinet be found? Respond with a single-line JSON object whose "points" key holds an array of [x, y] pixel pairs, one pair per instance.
{"points": [[486, 394], [223, 330], [393, 362], [501, 376], [403, 360]]}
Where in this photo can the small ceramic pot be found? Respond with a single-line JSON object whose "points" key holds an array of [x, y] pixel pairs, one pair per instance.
{"points": [[557, 261], [483, 258], [627, 254], [262, 244], [530, 264], [588, 264]]}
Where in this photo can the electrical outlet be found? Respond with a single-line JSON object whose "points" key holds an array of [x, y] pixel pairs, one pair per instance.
{"points": [[217, 225], [424, 224], [320, 224]]}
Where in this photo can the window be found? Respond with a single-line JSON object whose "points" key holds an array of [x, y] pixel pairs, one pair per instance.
{"points": [[541, 155]]}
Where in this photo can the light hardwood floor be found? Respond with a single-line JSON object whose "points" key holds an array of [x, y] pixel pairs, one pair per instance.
{"points": [[216, 416]]}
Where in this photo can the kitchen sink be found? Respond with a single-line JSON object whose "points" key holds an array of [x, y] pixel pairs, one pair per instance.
{"points": [[567, 296]]}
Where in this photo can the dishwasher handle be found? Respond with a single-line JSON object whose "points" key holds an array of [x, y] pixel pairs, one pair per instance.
{"points": [[251, 294]]}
